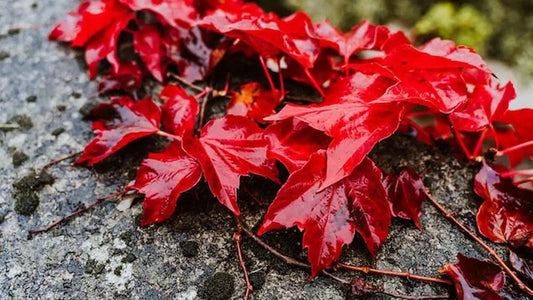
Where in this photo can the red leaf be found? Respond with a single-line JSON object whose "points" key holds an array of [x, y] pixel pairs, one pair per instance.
{"points": [[104, 45], [178, 111], [132, 120], [128, 78], [147, 43], [329, 218], [405, 192], [521, 132], [163, 177], [487, 103], [354, 126], [476, 279], [177, 13], [265, 33], [292, 142], [506, 215], [227, 149], [90, 18], [522, 261], [253, 102]]}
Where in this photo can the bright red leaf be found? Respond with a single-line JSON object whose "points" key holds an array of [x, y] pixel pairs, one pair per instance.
{"points": [[128, 78], [254, 102], [476, 279], [178, 113], [177, 13], [130, 120], [292, 142], [227, 149], [405, 192], [354, 126], [520, 131], [330, 218], [506, 215], [162, 178], [148, 44]]}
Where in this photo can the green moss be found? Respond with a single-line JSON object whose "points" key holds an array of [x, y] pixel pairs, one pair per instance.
{"points": [[118, 271], [220, 286], [93, 267], [4, 55], [18, 158], [31, 99], [189, 248], [24, 121], [33, 181], [129, 258], [26, 202]]}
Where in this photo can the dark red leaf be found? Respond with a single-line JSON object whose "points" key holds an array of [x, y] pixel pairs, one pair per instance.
{"points": [[522, 261], [162, 178], [476, 279], [405, 192], [506, 215], [147, 43], [131, 120], [177, 13], [292, 142], [227, 149], [128, 78], [254, 102], [354, 126], [330, 218], [179, 110]]}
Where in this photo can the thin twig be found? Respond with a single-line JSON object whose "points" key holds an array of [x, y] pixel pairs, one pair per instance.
{"points": [[491, 251], [185, 82], [407, 275], [443, 296], [237, 237], [75, 213], [54, 162], [168, 135]]}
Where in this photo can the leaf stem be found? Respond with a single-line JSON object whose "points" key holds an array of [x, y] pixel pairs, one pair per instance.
{"points": [[56, 161], [76, 212], [407, 275], [528, 172], [313, 82], [185, 82], [470, 234], [237, 237], [267, 73], [443, 296], [460, 141], [168, 135], [514, 148]]}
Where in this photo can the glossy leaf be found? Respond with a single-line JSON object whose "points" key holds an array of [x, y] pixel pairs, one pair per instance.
{"points": [[522, 261], [506, 215], [354, 126], [162, 178], [292, 142], [147, 42], [130, 121], [405, 192], [227, 149], [330, 218], [179, 110], [128, 78], [254, 102], [177, 13], [476, 279]]}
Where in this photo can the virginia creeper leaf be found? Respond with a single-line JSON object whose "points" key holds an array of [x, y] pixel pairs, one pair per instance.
{"points": [[162, 178], [330, 218], [178, 113], [176, 13], [476, 279], [128, 78], [405, 192], [227, 149], [506, 215], [253, 101], [147, 43], [131, 120]]}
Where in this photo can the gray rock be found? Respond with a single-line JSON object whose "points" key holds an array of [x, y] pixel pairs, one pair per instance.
{"points": [[91, 256]]}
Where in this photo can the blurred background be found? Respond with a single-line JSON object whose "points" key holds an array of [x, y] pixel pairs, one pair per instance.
{"points": [[500, 30]]}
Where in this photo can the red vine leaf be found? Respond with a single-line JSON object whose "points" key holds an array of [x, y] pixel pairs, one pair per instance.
{"points": [[176, 13], [476, 279], [130, 121], [227, 149], [147, 42], [506, 215], [178, 111], [128, 78], [329, 218], [292, 142], [405, 192], [518, 133], [162, 178], [355, 131], [254, 102]]}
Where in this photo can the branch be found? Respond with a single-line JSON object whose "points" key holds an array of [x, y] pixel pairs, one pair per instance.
{"points": [[237, 237], [491, 251], [185, 82], [54, 162]]}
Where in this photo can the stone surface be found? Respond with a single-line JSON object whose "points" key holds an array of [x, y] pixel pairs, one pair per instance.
{"points": [[105, 254]]}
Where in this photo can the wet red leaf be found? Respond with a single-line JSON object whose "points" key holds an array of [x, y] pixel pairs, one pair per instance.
{"points": [[147, 42], [128, 78], [522, 261], [130, 121], [227, 149], [476, 279], [330, 218], [254, 102], [176, 13], [162, 178], [405, 192], [506, 215], [292, 142], [178, 113]]}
